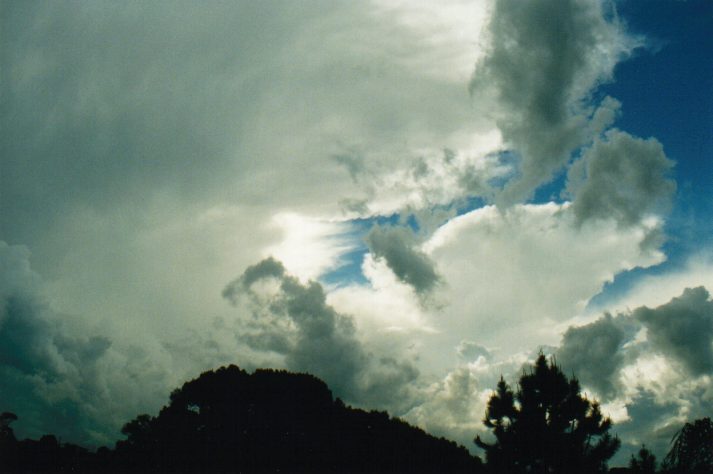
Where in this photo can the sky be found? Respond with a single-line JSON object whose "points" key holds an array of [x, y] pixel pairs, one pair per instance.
{"points": [[406, 199]]}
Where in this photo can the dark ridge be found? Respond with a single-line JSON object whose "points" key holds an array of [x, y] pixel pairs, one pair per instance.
{"points": [[270, 421]]}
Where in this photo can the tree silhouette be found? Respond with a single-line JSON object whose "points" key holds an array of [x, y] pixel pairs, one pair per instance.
{"points": [[547, 426], [643, 463], [6, 419], [692, 449], [273, 421], [8, 443]]}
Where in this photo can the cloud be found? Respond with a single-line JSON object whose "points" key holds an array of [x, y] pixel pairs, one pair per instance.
{"points": [[453, 407], [61, 374], [621, 177], [542, 65], [659, 398], [398, 247], [295, 320], [148, 154], [593, 352], [428, 176], [470, 350], [310, 246], [46, 371], [652, 422], [683, 328], [25, 333], [511, 275], [633, 362], [658, 288], [394, 317]]}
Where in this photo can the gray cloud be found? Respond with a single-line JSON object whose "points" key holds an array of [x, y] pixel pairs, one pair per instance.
{"points": [[652, 422], [470, 350], [683, 329], [110, 101], [397, 246], [47, 374], [112, 105], [593, 352], [621, 177], [544, 60], [452, 408], [296, 322], [81, 381], [353, 162], [133, 125]]}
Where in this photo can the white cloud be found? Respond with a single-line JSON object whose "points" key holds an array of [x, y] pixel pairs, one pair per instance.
{"points": [[393, 306], [656, 289], [454, 407], [309, 246], [511, 275], [448, 34]]}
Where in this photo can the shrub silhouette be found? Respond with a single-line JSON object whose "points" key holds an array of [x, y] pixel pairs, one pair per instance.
{"points": [[546, 426]]}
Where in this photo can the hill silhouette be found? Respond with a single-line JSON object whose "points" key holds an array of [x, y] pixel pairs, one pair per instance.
{"points": [[228, 420]]}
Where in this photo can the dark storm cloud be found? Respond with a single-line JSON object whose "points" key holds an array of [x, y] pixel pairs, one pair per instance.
{"points": [[651, 421], [594, 352], [47, 375], [544, 60], [398, 247], [621, 177], [318, 339], [683, 329]]}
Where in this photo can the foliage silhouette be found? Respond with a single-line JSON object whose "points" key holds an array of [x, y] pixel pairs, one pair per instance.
{"points": [[274, 421], [643, 463], [691, 449], [546, 426], [231, 421], [43, 455]]}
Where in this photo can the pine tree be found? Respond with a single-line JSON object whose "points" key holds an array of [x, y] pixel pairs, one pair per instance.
{"points": [[547, 426], [643, 463]]}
